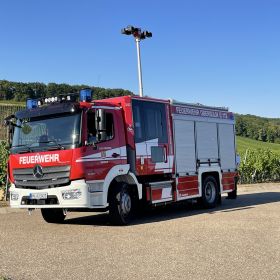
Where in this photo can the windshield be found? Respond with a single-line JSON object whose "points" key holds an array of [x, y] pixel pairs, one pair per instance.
{"points": [[46, 134]]}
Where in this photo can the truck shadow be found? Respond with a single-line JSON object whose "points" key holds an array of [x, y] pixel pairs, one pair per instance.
{"points": [[181, 210]]}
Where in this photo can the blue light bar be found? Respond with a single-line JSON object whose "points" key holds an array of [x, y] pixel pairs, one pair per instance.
{"points": [[31, 103], [85, 95]]}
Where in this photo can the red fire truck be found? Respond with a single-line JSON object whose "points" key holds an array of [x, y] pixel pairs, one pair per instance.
{"points": [[118, 153]]}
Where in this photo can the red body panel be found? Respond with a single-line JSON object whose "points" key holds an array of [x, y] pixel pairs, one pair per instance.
{"points": [[188, 185], [89, 169], [156, 194], [49, 158], [96, 163], [228, 180]]}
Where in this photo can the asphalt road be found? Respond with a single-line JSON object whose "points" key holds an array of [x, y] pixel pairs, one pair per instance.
{"points": [[238, 240]]}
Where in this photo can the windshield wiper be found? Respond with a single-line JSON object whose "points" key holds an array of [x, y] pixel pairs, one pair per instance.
{"points": [[58, 146]]}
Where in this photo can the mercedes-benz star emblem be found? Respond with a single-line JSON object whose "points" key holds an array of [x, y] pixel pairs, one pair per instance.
{"points": [[38, 171]]}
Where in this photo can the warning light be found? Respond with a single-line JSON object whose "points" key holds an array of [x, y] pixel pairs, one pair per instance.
{"points": [[86, 95]]}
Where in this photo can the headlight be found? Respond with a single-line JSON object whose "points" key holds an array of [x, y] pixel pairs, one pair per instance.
{"points": [[14, 196], [71, 194]]}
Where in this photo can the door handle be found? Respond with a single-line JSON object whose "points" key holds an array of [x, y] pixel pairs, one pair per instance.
{"points": [[115, 155], [165, 153]]}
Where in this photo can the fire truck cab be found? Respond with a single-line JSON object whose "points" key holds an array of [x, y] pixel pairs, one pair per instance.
{"points": [[118, 153]]}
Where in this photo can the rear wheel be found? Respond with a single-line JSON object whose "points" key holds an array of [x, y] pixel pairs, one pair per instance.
{"points": [[210, 192], [121, 204], [54, 215]]}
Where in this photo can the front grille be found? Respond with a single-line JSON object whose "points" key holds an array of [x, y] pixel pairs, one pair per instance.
{"points": [[54, 176]]}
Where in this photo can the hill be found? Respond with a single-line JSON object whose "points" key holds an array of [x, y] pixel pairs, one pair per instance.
{"points": [[19, 92], [244, 143], [258, 128]]}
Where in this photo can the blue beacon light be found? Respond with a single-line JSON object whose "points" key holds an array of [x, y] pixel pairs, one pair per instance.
{"points": [[86, 95], [31, 103]]}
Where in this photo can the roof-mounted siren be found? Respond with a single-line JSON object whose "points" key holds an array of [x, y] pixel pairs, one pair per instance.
{"points": [[86, 95], [32, 103]]}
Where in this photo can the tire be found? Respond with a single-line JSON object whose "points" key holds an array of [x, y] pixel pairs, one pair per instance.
{"points": [[210, 193], [121, 205], [53, 215]]}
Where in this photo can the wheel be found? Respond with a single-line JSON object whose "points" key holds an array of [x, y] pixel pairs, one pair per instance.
{"points": [[233, 194], [54, 215], [210, 192], [121, 204]]}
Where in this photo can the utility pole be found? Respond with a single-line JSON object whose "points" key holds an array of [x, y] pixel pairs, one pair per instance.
{"points": [[138, 35]]}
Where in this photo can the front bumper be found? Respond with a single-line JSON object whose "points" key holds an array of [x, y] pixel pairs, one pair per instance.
{"points": [[86, 199]]}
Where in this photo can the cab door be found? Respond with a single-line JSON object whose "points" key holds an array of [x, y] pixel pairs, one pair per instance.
{"points": [[141, 155], [151, 138], [156, 130], [105, 149]]}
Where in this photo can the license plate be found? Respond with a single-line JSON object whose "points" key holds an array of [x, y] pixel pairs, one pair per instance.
{"points": [[38, 196]]}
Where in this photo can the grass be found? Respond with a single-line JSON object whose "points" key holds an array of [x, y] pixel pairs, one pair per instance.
{"points": [[11, 102], [244, 143]]}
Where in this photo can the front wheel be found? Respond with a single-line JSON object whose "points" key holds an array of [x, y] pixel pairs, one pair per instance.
{"points": [[210, 192], [53, 215], [121, 204]]}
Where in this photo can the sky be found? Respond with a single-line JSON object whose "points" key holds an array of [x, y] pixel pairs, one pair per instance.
{"points": [[214, 52]]}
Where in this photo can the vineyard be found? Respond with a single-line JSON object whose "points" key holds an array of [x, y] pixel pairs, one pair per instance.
{"points": [[260, 161], [259, 166], [6, 110]]}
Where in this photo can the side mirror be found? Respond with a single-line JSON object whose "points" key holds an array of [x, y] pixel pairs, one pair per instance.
{"points": [[8, 120], [11, 125], [100, 124]]}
